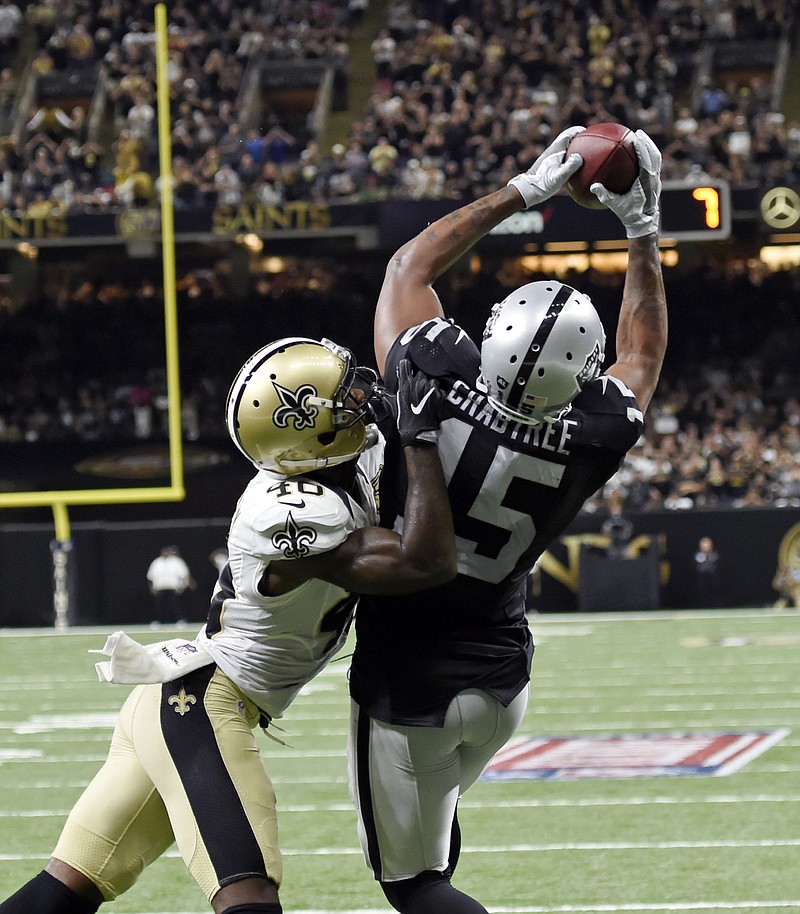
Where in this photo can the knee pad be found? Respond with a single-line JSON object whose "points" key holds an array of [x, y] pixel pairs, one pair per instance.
{"points": [[430, 893], [399, 894]]}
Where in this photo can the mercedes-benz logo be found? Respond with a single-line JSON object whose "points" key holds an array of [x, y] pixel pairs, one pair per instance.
{"points": [[780, 207]]}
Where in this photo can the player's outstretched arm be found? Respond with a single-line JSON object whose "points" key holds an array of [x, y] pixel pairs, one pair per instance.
{"points": [[378, 561], [407, 297], [642, 328]]}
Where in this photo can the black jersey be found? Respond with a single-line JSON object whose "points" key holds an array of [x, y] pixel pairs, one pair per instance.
{"points": [[513, 488]]}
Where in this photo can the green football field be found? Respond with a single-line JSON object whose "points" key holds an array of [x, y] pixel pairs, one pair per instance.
{"points": [[700, 843]]}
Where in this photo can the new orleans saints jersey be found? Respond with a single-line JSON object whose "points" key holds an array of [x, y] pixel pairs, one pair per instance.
{"points": [[513, 488], [270, 646]]}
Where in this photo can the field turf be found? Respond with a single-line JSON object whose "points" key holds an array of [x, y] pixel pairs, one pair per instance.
{"points": [[652, 844]]}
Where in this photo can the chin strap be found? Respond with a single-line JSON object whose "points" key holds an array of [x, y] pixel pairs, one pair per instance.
{"points": [[319, 463]]}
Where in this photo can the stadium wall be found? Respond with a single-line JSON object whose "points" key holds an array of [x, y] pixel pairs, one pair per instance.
{"points": [[109, 561]]}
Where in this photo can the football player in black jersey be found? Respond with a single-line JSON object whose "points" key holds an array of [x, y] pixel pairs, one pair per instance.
{"points": [[183, 766], [532, 426]]}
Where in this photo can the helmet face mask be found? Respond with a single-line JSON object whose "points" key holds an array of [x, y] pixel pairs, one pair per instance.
{"points": [[541, 345], [360, 396], [299, 405]]}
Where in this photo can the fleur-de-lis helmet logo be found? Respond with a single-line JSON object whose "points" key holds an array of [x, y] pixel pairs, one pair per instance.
{"points": [[295, 407], [293, 541]]}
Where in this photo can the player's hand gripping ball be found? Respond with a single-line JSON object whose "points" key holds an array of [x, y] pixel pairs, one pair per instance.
{"points": [[609, 158]]}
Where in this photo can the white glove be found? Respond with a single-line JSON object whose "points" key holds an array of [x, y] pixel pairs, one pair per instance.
{"points": [[549, 173], [638, 209]]}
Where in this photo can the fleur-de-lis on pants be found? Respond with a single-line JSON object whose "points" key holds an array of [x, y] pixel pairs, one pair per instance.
{"points": [[183, 702]]}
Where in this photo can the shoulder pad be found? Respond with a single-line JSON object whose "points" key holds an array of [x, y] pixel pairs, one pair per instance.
{"points": [[608, 394], [439, 347], [610, 414], [371, 459], [293, 519]]}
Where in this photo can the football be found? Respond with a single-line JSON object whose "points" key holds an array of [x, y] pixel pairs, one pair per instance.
{"points": [[609, 158]]}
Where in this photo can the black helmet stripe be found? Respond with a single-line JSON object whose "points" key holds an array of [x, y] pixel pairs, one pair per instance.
{"points": [[525, 370]]}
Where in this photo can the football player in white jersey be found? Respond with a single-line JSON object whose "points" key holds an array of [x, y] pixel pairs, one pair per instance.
{"points": [[183, 764], [531, 427]]}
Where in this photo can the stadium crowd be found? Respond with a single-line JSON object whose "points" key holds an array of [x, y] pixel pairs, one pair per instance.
{"points": [[465, 92], [723, 429]]}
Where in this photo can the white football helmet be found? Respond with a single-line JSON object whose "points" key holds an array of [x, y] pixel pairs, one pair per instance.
{"points": [[541, 345], [298, 405]]}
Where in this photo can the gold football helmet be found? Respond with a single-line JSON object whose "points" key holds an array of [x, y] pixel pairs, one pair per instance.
{"points": [[298, 405]]}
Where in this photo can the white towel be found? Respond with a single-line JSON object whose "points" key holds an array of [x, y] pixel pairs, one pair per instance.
{"points": [[135, 663]]}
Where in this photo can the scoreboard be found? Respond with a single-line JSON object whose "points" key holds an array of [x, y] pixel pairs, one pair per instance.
{"points": [[695, 212]]}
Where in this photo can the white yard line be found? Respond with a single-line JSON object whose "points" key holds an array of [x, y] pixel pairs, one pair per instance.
{"points": [[682, 906], [554, 847], [471, 804]]}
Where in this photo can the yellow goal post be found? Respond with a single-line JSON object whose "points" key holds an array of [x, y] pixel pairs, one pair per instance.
{"points": [[59, 501]]}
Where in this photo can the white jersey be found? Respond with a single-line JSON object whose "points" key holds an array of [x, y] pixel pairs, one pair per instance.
{"points": [[169, 572], [271, 646]]}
